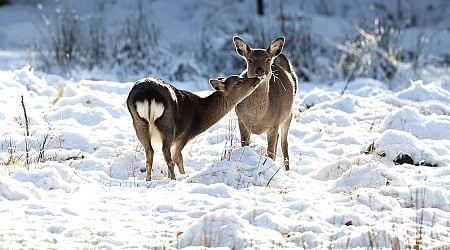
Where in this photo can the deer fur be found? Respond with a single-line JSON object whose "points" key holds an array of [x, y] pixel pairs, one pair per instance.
{"points": [[269, 107], [163, 114]]}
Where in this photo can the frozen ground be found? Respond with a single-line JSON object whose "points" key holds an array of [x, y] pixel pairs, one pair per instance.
{"points": [[343, 190]]}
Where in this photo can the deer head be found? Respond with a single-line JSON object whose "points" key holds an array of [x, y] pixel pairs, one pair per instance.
{"points": [[259, 61], [234, 86]]}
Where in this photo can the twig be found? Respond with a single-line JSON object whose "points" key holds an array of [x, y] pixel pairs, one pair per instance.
{"points": [[27, 134], [27, 131], [42, 147], [273, 176], [350, 77]]}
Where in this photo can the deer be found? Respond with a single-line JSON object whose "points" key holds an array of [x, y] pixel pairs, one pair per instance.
{"points": [[171, 117], [269, 107]]}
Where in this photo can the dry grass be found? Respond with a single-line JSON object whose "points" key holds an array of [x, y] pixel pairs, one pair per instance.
{"points": [[59, 93]]}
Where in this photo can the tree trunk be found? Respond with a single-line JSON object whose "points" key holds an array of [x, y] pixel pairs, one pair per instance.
{"points": [[2, 2], [260, 7]]}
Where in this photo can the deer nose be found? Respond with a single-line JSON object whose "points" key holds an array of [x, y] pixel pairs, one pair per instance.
{"points": [[259, 71]]}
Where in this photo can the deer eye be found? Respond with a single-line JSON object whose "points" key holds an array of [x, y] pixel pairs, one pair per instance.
{"points": [[268, 60], [250, 60], [238, 82]]}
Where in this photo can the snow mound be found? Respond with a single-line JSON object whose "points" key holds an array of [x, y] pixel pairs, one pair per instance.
{"points": [[421, 197], [420, 92], [83, 115], [269, 218], [28, 184], [366, 87], [215, 190], [374, 200], [77, 137], [367, 176], [317, 96], [408, 119], [126, 162], [347, 104], [365, 237], [328, 116], [341, 219], [392, 143], [118, 88], [244, 168], [25, 77], [51, 177], [224, 228], [12, 189], [432, 107], [333, 171], [74, 96]]}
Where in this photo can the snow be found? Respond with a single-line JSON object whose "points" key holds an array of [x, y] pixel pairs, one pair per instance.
{"points": [[394, 142], [90, 191], [231, 233], [421, 92], [80, 186], [424, 127]]}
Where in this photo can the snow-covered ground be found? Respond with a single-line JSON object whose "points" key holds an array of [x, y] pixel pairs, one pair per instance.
{"points": [[343, 189], [75, 182]]}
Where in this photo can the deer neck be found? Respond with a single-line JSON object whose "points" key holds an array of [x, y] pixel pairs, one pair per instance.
{"points": [[214, 107], [260, 97], [263, 89]]}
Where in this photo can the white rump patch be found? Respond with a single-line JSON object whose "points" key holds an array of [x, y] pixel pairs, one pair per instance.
{"points": [[151, 112]]}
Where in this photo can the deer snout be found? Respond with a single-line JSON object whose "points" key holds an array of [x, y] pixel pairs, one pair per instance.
{"points": [[259, 71]]}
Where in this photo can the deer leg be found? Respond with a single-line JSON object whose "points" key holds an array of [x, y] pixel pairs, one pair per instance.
{"points": [[168, 157], [245, 134], [149, 163], [178, 157], [272, 141], [142, 133], [166, 128], [284, 141]]}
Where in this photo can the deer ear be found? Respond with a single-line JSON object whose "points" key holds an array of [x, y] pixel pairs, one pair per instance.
{"points": [[276, 47], [242, 47], [217, 84]]}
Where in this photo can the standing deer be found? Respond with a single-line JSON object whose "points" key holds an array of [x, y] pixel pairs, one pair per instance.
{"points": [[163, 114], [269, 107]]}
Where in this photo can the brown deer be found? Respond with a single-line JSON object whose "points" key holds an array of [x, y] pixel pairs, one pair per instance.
{"points": [[163, 114], [269, 107]]}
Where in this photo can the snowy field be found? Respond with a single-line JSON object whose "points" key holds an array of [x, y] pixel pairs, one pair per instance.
{"points": [[343, 189], [368, 169]]}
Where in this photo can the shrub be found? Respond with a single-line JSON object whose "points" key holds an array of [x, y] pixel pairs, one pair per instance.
{"points": [[130, 50], [370, 54]]}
